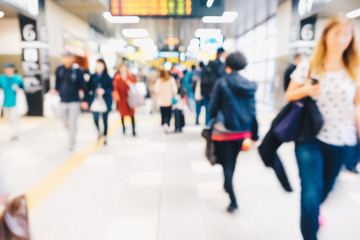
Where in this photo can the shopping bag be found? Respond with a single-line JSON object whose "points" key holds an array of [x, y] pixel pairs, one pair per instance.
{"points": [[210, 146], [98, 105], [287, 129], [21, 103], [14, 221], [141, 88], [51, 105], [134, 98]]}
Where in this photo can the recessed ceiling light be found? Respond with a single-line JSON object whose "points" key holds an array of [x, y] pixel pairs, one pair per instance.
{"points": [[207, 32], [353, 14], [195, 42], [135, 33], [227, 17], [143, 42], [120, 19]]}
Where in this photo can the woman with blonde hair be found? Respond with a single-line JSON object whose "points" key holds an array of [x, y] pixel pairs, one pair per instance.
{"points": [[335, 64], [166, 89], [122, 83]]}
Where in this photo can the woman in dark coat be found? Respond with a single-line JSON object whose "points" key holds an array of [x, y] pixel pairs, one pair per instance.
{"points": [[122, 83], [100, 84], [232, 108]]}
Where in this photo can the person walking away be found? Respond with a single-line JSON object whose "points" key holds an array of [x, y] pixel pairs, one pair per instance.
{"points": [[150, 81], [298, 57], [232, 108], [69, 81], [100, 87], [188, 78], [196, 87], [11, 83], [166, 90], [335, 64], [210, 74], [122, 82]]}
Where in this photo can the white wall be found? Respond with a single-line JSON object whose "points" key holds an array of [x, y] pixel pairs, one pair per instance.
{"points": [[283, 18], [59, 20], [10, 37]]}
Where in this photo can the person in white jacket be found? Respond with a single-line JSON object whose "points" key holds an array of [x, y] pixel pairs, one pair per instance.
{"points": [[166, 89]]}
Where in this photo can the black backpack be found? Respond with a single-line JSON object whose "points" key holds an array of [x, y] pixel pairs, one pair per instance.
{"points": [[209, 76]]}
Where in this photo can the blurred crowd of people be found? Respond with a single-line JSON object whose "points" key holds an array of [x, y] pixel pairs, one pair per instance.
{"points": [[330, 77]]}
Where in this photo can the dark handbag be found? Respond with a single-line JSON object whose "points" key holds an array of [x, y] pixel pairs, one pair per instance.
{"points": [[288, 127], [299, 122], [311, 121], [210, 146], [14, 221]]}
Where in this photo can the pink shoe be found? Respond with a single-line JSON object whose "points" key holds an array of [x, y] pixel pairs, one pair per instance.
{"points": [[322, 221]]}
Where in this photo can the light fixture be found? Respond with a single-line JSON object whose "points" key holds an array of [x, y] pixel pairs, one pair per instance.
{"points": [[120, 19], [2, 14], [353, 14], [227, 17], [192, 48], [172, 41], [109, 48], [195, 42], [135, 33], [207, 32], [209, 3], [151, 49], [118, 41], [143, 42]]}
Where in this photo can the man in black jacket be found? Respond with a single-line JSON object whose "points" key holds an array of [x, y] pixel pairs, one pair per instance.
{"points": [[69, 81], [209, 76], [298, 57]]}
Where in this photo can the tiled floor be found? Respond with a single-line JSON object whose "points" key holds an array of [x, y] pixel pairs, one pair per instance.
{"points": [[160, 187]]}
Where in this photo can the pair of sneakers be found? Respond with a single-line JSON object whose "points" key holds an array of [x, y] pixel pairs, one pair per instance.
{"points": [[166, 128], [100, 135], [232, 208]]}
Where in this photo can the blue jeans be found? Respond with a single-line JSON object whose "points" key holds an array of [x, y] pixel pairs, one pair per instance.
{"points": [[354, 157], [199, 104], [206, 102], [105, 120], [319, 165]]}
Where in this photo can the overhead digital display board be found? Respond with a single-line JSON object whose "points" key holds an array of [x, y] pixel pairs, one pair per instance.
{"points": [[166, 8]]}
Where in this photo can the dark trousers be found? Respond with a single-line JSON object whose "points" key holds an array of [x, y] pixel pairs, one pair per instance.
{"points": [[166, 113], [199, 104], [132, 123], [319, 165], [226, 154], [206, 102], [105, 120]]}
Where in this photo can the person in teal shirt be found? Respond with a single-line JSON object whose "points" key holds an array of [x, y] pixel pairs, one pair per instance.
{"points": [[11, 82]]}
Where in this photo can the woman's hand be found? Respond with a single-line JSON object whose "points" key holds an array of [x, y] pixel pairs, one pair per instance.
{"points": [[84, 105], [298, 91], [116, 96], [129, 83], [3, 199], [312, 90], [100, 91], [53, 91]]}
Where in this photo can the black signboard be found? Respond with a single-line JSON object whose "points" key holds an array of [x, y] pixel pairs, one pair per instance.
{"points": [[167, 8], [31, 65], [307, 28]]}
